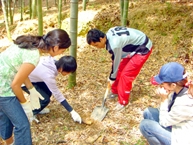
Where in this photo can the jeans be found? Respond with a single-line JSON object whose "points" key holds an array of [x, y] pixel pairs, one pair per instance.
{"points": [[152, 130], [42, 88], [14, 120]]}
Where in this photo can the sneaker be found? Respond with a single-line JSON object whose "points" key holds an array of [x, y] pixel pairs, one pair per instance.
{"points": [[35, 119], [44, 111], [112, 95], [119, 107]]}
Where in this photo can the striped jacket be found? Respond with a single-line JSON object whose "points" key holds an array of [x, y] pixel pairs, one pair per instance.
{"points": [[125, 42]]}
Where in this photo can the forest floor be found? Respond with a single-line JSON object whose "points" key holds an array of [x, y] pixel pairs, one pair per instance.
{"points": [[170, 27]]}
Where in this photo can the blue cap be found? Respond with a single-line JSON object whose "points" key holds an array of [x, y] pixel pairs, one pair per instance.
{"points": [[171, 72]]}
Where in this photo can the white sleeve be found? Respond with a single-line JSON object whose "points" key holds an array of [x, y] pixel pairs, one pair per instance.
{"points": [[180, 111]]}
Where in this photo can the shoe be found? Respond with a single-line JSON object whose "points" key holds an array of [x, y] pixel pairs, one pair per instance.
{"points": [[44, 111], [119, 107], [112, 95], [35, 119]]}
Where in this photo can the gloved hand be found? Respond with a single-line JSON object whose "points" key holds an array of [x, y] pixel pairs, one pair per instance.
{"points": [[28, 111], [34, 98], [110, 81], [76, 116], [190, 87]]}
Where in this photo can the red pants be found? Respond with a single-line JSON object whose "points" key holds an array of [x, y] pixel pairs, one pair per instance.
{"points": [[128, 70]]}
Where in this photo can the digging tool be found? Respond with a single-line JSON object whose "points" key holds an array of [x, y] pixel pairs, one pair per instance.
{"points": [[100, 112]]}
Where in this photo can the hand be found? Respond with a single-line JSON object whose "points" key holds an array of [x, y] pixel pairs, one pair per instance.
{"points": [[110, 81], [190, 90], [28, 111], [34, 98], [76, 116], [162, 93]]}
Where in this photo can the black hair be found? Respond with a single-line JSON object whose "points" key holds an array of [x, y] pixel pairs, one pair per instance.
{"points": [[67, 63], [94, 35], [56, 37]]}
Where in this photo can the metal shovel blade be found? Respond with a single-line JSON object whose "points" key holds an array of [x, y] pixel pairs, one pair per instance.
{"points": [[99, 113]]}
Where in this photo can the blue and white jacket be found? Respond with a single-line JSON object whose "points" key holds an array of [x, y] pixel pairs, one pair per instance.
{"points": [[180, 117]]}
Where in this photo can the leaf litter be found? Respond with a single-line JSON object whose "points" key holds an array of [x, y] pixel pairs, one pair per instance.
{"points": [[117, 128]]}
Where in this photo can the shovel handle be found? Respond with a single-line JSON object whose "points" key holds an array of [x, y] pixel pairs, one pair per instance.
{"points": [[107, 90], [106, 93]]}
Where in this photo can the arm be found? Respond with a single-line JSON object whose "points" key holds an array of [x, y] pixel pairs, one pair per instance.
{"points": [[19, 79], [28, 84], [116, 62], [114, 46], [34, 95], [181, 111], [190, 90], [51, 83], [74, 114], [66, 105]]}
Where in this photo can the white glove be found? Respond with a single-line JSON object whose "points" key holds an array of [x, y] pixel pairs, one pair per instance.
{"points": [[28, 111], [34, 98], [110, 81], [76, 116]]}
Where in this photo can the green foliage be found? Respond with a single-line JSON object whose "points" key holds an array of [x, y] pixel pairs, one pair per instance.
{"points": [[65, 128], [83, 29], [140, 142], [172, 21], [124, 143]]}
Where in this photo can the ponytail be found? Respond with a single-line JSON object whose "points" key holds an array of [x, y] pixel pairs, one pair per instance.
{"points": [[57, 37], [27, 41]]}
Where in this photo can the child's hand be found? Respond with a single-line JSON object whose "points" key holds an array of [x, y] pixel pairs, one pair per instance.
{"points": [[162, 93], [110, 82], [190, 90]]}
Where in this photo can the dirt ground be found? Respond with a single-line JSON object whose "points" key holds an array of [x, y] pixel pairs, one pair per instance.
{"points": [[118, 128]]}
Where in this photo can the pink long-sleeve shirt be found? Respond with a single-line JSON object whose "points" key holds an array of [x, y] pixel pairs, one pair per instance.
{"points": [[46, 72]]}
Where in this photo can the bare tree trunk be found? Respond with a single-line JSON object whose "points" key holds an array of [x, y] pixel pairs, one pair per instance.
{"points": [[73, 36], [121, 6], [40, 18], [125, 13], [4, 8], [10, 12], [30, 9], [47, 4], [34, 9], [59, 13], [21, 9], [84, 4]]}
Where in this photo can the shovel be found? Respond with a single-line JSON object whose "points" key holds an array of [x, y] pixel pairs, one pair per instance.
{"points": [[100, 112]]}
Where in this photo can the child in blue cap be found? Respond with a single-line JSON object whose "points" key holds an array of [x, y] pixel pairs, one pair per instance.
{"points": [[172, 123]]}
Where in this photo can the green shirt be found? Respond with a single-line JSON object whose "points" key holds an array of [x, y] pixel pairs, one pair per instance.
{"points": [[10, 61]]}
